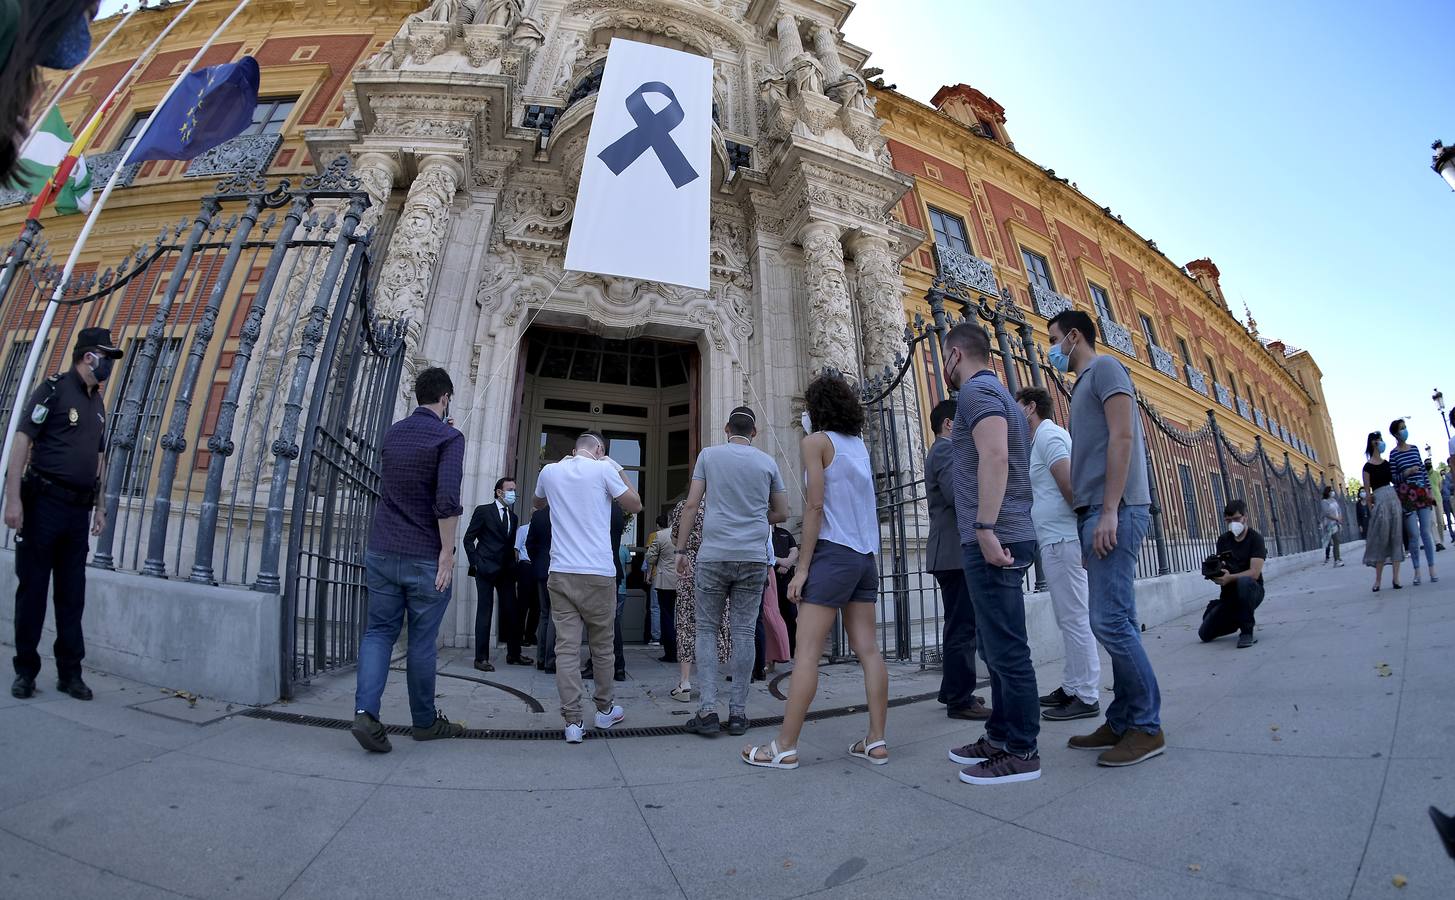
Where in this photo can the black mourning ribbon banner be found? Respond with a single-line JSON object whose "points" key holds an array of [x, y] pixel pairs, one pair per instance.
{"points": [[653, 132]]}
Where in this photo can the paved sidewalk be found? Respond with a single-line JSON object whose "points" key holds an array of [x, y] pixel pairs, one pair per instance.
{"points": [[1301, 767]]}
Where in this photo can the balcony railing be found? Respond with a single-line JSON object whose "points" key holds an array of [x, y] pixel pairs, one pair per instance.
{"points": [[248, 153], [1196, 380], [1225, 398], [1048, 303], [101, 165], [1117, 337], [966, 270], [589, 84], [1259, 418], [1243, 409], [1163, 361]]}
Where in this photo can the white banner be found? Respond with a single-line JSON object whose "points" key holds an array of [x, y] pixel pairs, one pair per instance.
{"points": [[643, 207]]}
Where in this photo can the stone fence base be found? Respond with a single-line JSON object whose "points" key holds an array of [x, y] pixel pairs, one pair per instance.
{"points": [[218, 642]]}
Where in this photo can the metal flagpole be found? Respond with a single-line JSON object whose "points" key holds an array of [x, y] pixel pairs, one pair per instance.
{"points": [[76, 73], [38, 344]]}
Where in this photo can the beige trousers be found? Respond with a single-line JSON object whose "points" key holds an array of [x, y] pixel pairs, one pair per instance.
{"points": [[577, 602]]}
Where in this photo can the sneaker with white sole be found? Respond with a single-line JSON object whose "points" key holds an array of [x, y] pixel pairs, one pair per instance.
{"points": [[575, 733], [682, 693], [978, 752], [1003, 768], [609, 718]]}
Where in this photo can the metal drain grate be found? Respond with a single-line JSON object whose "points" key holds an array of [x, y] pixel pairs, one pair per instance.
{"points": [[554, 734]]}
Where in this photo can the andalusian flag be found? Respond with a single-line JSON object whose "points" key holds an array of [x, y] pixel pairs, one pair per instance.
{"points": [[44, 154]]}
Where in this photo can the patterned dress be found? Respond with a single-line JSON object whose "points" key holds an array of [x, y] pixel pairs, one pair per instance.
{"points": [[686, 607]]}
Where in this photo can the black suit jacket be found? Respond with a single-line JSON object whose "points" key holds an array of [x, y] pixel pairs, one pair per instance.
{"points": [[538, 543], [489, 542]]}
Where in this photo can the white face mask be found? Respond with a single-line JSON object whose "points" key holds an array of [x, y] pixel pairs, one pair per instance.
{"points": [[806, 422], [1236, 528]]}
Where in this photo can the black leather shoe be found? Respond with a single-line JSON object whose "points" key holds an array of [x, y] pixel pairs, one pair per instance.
{"points": [[619, 675], [520, 661], [484, 665], [23, 687], [550, 669], [76, 688]]}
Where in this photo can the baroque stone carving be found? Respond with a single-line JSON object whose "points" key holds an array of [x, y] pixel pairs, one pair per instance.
{"points": [[452, 12], [404, 286], [830, 315], [481, 46], [881, 301], [534, 218], [427, 40], [501, 13]]}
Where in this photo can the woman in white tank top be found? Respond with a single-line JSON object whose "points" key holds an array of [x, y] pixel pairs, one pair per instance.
{"points": [[837, 570]]}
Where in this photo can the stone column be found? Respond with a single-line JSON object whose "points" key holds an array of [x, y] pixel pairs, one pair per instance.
{"points": [[377, 172], [881, 301], [790, 45], [830, 314], [414, 250], [827, 50]]}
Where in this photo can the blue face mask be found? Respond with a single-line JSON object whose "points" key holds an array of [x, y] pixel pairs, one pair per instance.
{"points": [[1379, 445], [1403, 434], [510, 498], [1058, 360], [73, 45]]}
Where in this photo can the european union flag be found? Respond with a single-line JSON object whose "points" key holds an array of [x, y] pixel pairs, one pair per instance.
{"points": [[210, 106]]}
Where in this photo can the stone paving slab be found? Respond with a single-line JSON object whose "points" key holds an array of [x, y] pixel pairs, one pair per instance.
{"points": [[106, 800]]}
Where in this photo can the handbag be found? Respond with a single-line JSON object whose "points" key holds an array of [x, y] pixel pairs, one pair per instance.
{"points": [[1412, 497]]}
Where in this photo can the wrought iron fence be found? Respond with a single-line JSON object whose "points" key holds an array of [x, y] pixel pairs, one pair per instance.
{"points": [[1193, 471], [251, 344]]}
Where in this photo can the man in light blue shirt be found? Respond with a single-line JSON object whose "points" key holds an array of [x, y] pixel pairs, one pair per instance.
{"points": [[1060, 546]]}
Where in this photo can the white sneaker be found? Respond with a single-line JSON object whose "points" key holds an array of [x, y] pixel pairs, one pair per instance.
{"points": [[575, 733], [683, 692], [609, 718]]}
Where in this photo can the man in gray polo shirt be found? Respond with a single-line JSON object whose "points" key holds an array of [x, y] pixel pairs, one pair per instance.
{"points": [[745, 498], [1112, 502]]}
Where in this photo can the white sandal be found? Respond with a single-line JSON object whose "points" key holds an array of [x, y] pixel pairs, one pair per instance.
{"points": [[751, 757], [867, 752], [682, 693]]}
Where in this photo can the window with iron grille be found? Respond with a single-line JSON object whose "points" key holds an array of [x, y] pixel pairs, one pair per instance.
{"points": [[10, 378], [1101, 300], [949, 231], [1037, 269]]}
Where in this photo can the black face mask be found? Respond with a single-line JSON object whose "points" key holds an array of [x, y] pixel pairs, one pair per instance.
{"points": [[102, 368]]}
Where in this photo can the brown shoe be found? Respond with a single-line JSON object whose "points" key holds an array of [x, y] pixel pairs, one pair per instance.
{"points": [[977, 711], [1134, 747], [1103, 738]]}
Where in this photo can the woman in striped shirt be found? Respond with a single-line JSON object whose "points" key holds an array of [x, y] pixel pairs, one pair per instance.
{"points": [[1419, 524]]}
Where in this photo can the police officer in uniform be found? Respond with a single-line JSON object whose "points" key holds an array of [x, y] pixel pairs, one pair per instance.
{"points": [[56, 469]]}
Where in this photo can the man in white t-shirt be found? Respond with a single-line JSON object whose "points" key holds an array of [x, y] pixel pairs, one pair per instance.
{"points": [[579, 491], [1078, 696]]}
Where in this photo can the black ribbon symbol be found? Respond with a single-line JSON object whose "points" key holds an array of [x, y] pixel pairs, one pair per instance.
{"points": [[653, 132]]}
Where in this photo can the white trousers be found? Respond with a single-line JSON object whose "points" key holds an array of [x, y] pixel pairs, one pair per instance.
{"points": [[1067, 582]]}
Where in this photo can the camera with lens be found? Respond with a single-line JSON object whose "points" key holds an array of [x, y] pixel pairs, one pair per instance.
{"points": [[1216, 566]]}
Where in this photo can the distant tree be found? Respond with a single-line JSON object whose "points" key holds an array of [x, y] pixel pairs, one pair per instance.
{"points": [[1353, 486]]}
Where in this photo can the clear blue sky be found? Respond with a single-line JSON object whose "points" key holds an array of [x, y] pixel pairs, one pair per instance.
{"points": [[1288, 141]]}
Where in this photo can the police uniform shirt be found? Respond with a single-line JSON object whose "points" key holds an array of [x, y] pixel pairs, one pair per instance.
{"points": [[71, 431]]}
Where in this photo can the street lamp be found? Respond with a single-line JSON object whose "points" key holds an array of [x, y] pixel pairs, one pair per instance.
{"points": [[1439, 399], [1444, 163]]}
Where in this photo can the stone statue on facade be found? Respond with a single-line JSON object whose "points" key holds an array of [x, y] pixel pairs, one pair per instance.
{"points": [[807, 73], [500, 13], [450, 12]]}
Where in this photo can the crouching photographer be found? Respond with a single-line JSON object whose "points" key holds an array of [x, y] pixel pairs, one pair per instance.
{"points": [[1238, 569]]}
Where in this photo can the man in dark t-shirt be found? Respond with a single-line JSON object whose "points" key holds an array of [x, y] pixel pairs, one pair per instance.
{"points": [[1243, 552]]}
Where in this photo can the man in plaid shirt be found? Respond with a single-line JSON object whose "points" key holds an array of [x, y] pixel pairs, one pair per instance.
{"points": [[411, 559]]}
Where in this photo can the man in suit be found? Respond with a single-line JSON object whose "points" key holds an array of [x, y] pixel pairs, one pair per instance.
{"points": [[945, 559], [538, 548], [490, 547]]}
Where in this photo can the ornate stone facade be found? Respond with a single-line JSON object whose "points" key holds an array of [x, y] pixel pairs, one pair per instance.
{"points": [[478, 207]]}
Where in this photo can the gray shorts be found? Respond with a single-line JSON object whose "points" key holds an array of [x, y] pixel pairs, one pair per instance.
{"points": [[838, 576]]}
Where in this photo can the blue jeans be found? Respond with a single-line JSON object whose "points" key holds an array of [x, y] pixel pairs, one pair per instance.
{"points": [[1420, 526], [1000, 629], [399, 585], [1111, 583], [714, 583]]}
